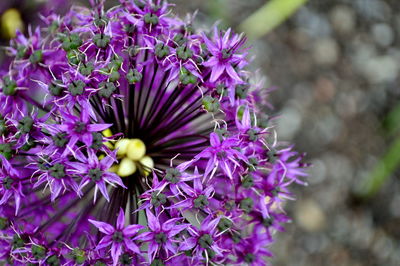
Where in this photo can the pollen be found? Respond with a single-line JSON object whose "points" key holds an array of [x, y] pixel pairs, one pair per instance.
{"points": [[132, 157]]}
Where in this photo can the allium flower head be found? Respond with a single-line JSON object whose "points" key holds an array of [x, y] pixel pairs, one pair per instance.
{"points": [[127, 137]]}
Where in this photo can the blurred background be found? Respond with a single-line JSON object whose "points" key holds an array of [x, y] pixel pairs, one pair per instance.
{"points": [[336, 65]]}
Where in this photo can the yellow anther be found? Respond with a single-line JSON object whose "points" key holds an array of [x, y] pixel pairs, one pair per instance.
{"points": [[122, 146], [109, 145], [136, 149], [11, 21], [148, 164], [126, 168], [107, 133], [114, 168]]}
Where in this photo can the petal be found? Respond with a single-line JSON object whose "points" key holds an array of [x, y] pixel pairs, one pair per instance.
{"points": [[171, 247], [153, 246], [121, 220], [217, 71], [210, 46], [106, 162], [55, 190], [152, 221], [98, 127], [198, 186], [113, 178], [188, 244], [131, 246], [214, 140], [103, 189], [177, 229], [104, 242], [116, 250], [17, 202], [233, 74], [168, 225], [87, 138], [103, 227], [182, 204], [146, 236]]}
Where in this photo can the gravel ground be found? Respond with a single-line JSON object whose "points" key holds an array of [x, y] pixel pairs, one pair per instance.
{"points": [[336, 66]]}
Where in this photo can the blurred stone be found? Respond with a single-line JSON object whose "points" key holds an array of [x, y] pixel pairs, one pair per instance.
{"points": [[310, 216], [395, 206], [347, 103], [324, 90], [373, 9], [343, 19], [318, 172], [326, 128], [381, 69], [325, 51], [383, 34], [289, 123], [315, 24]]}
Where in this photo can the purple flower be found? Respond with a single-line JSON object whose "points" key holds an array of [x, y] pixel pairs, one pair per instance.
{"points": [[225, 55], [96, 171], [161, 235], [119, 237], [204, 240], [221, 154], [159, 117]]}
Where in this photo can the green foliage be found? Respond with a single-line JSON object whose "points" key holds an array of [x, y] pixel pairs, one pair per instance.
{"points": [[266, 18]]}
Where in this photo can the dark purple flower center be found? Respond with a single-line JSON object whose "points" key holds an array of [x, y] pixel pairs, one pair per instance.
{"points": [[161, 238], [76, 87], [226, 53], [267, 222], [7, 182], [205, 241], [125, 259], [4, 223], [95, 174], [173, 175], [25, 124], [248, 181], [246, 204], [57, 171], [118, 237], [53, 261], [10, 86], [6, 150], [221, 154], [38, 252], [60, 139], [157, 262], [150, 18], [249, 257], [80, 127], [200, 202], [224, 224], [158, 199], [97, 141]]}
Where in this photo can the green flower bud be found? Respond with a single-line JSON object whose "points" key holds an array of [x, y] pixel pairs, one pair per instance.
{"points": [[38, 252], [211, 104], [76, 87], [151, 19], [134, 76], [101, 40], [36, 57], [9, 87], [246, 204]]}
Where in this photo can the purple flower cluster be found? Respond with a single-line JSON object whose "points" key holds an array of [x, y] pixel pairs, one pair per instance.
{"points": [[163, 121]]}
